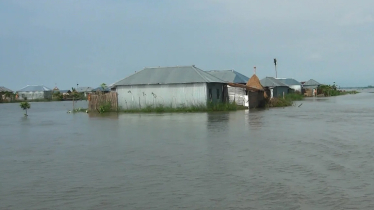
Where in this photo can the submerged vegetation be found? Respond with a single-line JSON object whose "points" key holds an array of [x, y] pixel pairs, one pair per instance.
{"points": [[288, 100], [331, 90], [25, 106]]}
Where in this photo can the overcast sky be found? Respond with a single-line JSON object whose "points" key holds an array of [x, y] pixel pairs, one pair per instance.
{"points": [[89, 42]]}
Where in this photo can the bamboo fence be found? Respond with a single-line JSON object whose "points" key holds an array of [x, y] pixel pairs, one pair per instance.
{"points": [[98, 99]]}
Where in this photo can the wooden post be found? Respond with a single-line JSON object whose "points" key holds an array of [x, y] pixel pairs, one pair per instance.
{"points": [[283, 95]]}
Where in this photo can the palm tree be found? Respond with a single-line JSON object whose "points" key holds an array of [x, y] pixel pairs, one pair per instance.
{"points": [[25, 106]]}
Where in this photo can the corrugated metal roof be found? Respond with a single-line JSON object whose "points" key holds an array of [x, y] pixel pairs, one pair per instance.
{"points": [[34, 88], [84, 89], [229, 76], [4, 89], [312, 82], [101, 89], [271, 82], [289, 81], [169, 75]]}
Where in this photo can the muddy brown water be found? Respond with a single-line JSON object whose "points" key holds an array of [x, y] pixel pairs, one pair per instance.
{"points": [[316, 156]]}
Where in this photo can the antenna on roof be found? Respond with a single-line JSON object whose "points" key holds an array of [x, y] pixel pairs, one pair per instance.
{"points": [[254, 68]]}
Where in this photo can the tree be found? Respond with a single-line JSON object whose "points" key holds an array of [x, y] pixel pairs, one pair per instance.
{"points": [[25, 106], [103, 86]]}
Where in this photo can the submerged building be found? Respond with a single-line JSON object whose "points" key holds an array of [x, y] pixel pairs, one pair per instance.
{"points": [[276, 87], [174, 86], [33, 92], [236, 93], [292, 84]]}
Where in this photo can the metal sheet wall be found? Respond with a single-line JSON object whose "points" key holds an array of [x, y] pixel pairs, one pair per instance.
{"points": [[237, 94], [168, 95]]}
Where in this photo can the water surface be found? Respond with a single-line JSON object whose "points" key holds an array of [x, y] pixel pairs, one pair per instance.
{"points": [[316, 156]]}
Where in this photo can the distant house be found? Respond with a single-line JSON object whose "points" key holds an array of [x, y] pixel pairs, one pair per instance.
{"points": [[292, 83], [170, 86], [3, 91], [101, 89], [311, 84], [236, 93], [277, 88], [33, 92], [84, 90]]}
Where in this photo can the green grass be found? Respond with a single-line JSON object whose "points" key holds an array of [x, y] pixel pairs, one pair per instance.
{"points": [[294, 97], [211, 107], [288, 100]]}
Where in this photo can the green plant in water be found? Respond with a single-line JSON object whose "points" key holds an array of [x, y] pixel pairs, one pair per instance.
{"points": [[25, 106], [105, 107]]}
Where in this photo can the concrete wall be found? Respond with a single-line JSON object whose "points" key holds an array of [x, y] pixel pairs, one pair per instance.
{"points": [[168, 95]]}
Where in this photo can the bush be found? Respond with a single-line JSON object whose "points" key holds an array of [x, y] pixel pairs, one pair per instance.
{"points": [[105, 107]]}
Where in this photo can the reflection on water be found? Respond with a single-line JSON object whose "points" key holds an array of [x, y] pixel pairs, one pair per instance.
{"points": [[316, 156], [254, 118]]}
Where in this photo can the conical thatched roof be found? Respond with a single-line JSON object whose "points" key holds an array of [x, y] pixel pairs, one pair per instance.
{"points": [[254, 82]]}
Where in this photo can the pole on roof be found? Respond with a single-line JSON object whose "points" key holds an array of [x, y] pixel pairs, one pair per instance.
{"points": [[255, 69], [275, 65]]}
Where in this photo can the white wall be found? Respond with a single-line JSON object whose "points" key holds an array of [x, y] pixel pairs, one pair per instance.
{"points": [[167, 95], [31, 95], [237, 94], [296, 87]]}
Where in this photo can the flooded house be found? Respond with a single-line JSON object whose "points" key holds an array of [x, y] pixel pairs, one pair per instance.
{"points": [[170, 86], [292, 83], [276, 87], [237, 91], [255, 92], [34, 92], [310, 87]]}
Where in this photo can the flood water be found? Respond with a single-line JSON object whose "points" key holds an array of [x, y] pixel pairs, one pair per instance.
{"points": [[316, 156]]}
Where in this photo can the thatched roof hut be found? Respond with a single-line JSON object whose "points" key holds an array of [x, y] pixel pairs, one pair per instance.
{"points": [[254, 82]]}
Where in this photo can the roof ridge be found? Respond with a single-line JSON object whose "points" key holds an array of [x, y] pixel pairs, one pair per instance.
{"points": [[114, 84], [206, 73], [159, 67], [195, 68]]}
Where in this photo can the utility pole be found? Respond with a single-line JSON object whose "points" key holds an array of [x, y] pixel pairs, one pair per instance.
{"points": [[275, 65]]}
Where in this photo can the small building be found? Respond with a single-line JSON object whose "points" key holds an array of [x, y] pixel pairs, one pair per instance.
{"points": [[256, 94], [101, 89], [311, 84], [170, 86], [292, 83], [236, 93], [34, 92], [310, 87], [277, 88], [5, 90], [3, 93], [84, 90]]}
